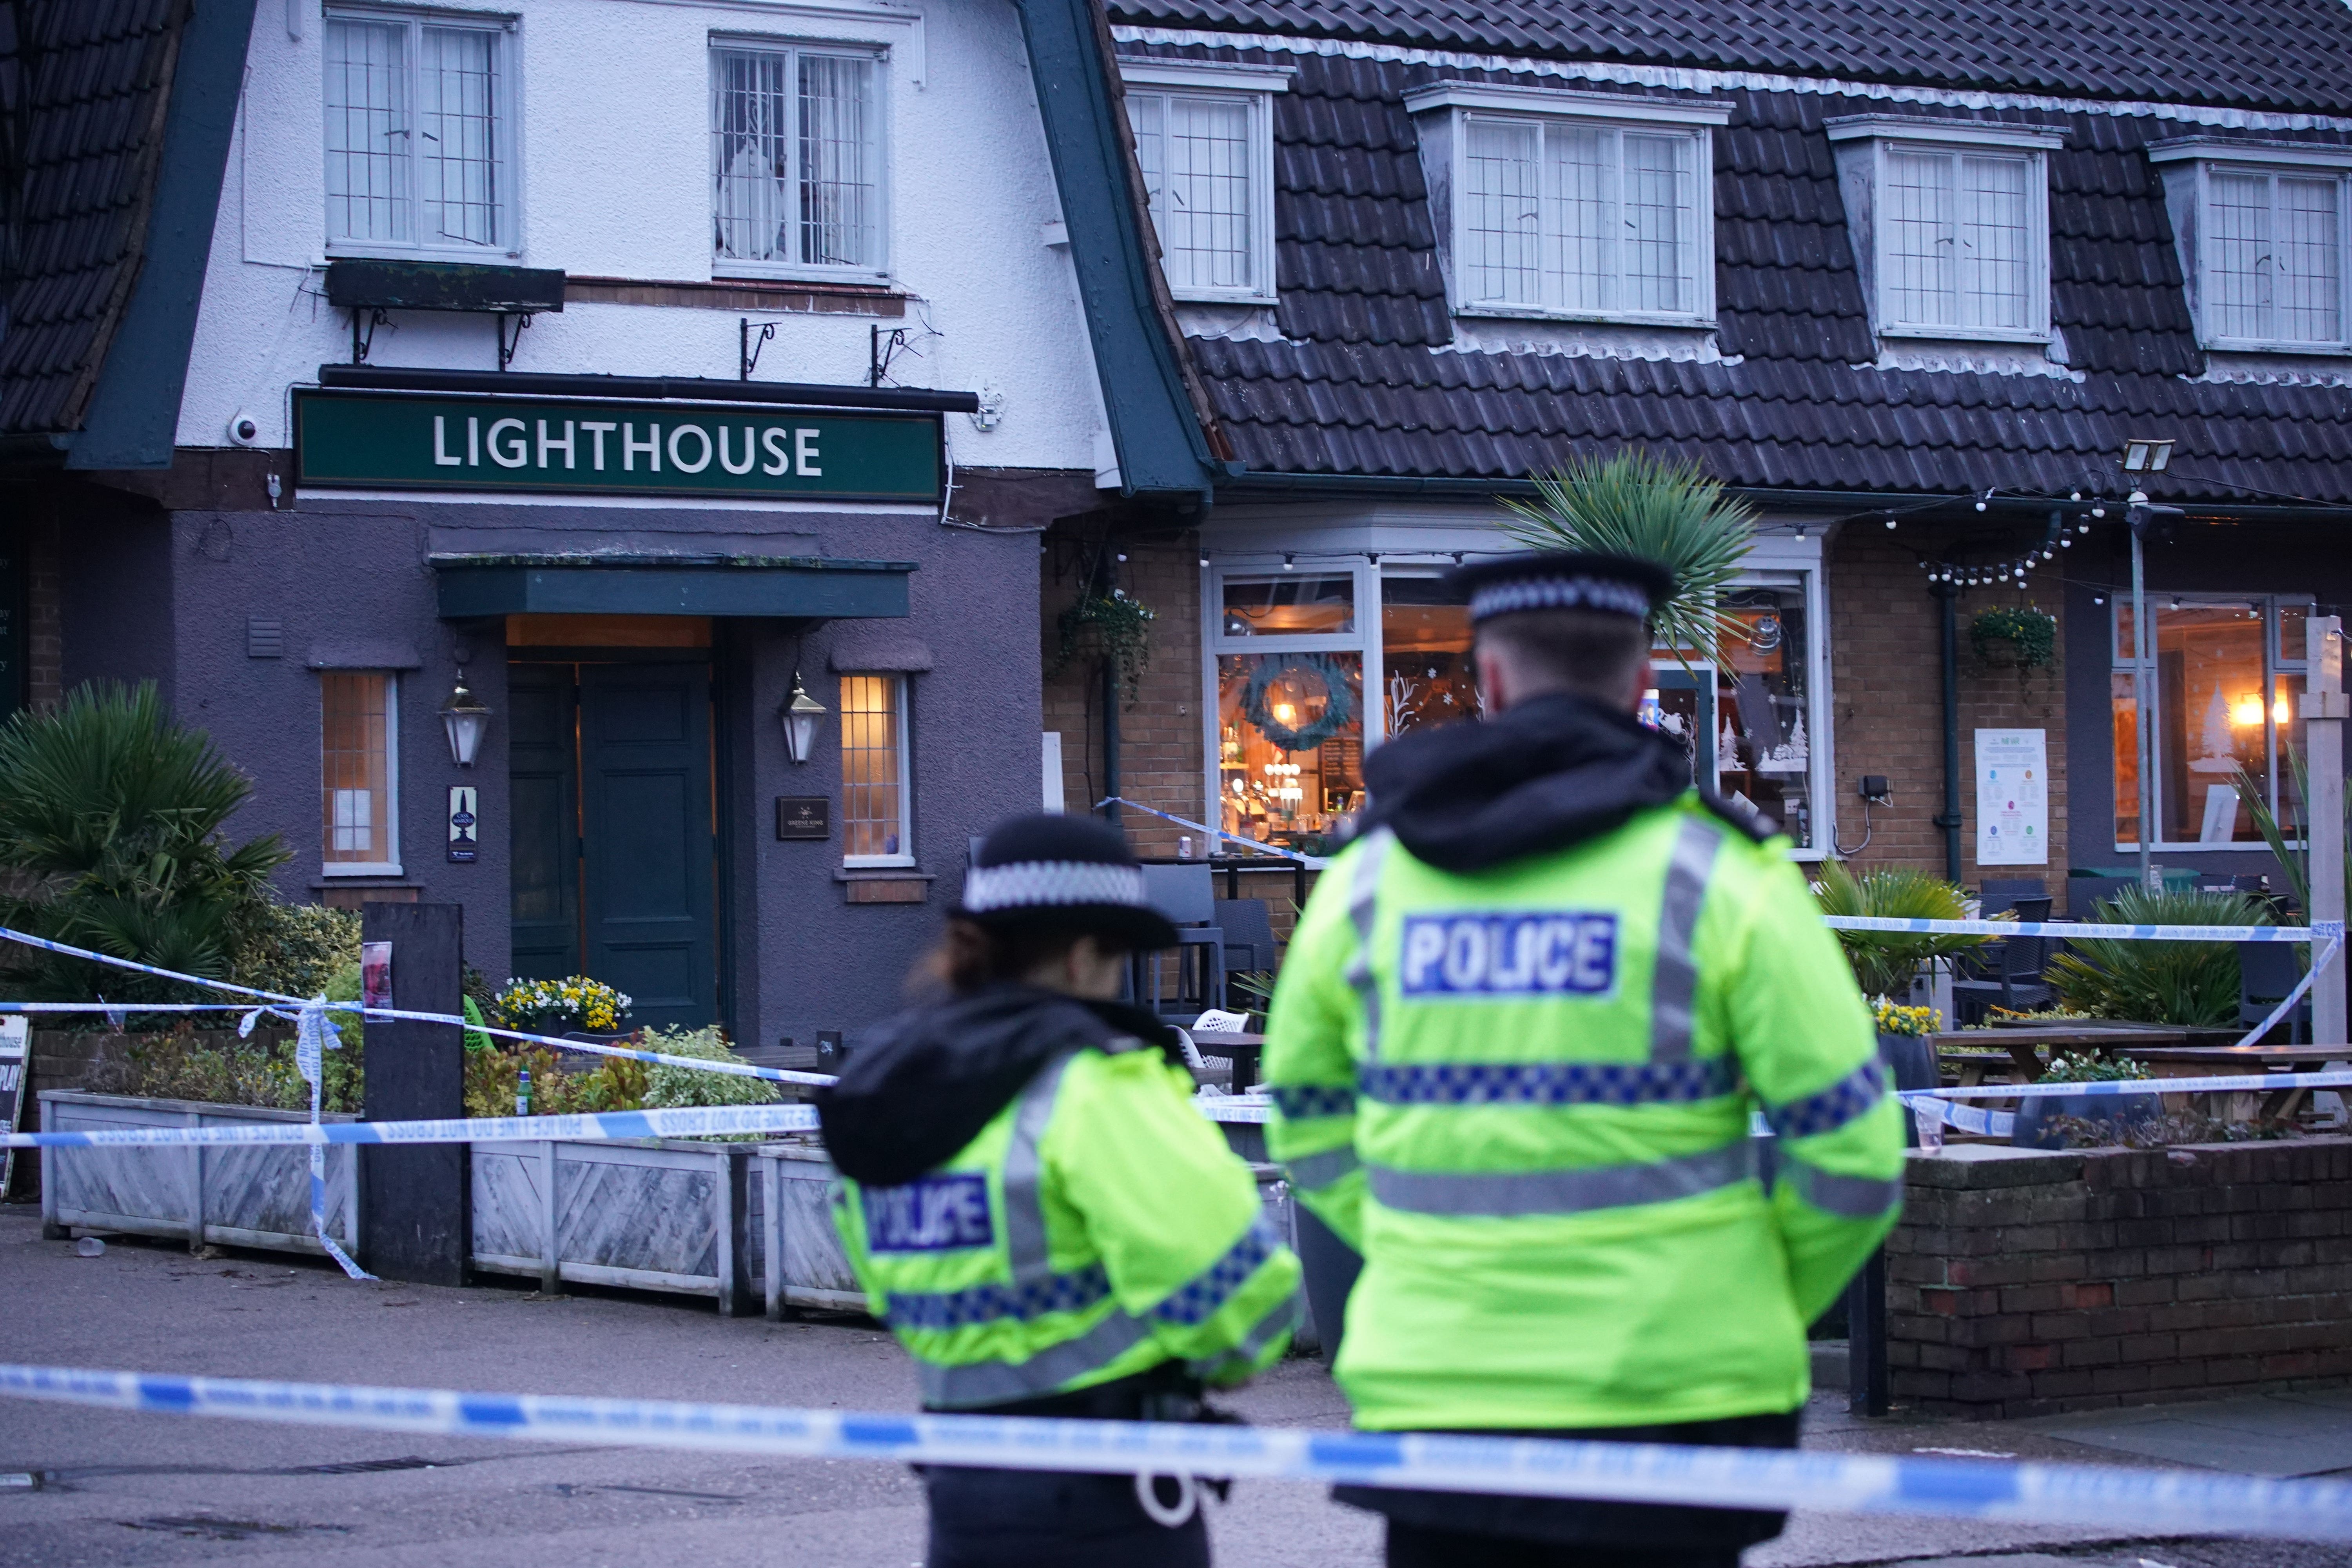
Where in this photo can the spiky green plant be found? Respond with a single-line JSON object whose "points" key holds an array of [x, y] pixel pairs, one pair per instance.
{"points": [[1884, 961], [111, 818], [2193, 984], [1670, 513], [2287, 839]]}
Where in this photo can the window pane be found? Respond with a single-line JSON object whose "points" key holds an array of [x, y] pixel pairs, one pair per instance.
{"points": [[1147, 113], [1503, 226], [839, 177], [367, 114], [2126, 733], [1207, 232], [1277, 795], [1425, 672], [2310, 290], [1994, 236], [750, 153], [873, 767], [1584, 189], [1919, 239], [2209, 692], [1657, 196], [456, 137], [1289, 606], [2293, 632], [1763, 741], [355, 768], [2238, 255]]}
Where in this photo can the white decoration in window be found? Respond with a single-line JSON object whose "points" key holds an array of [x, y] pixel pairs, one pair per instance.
{"points": [[417, 122], [797, 164], [2264, 230], [1204, 140]]}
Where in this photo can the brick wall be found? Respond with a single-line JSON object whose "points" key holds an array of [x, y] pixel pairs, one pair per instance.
{"points": [[45, 643], [1887, 670], [2024, 1284]]}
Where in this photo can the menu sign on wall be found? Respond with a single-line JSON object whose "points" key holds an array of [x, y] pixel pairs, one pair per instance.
{"points": [[2012, 797], [412, 441]]}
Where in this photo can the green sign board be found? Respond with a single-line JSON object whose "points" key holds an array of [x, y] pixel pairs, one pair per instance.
{"points": [[414, 441]]}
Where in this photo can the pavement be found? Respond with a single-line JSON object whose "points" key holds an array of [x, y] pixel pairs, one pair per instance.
{"points": [[114, 1488]]}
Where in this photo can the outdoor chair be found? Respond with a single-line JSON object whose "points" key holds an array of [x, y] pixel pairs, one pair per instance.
{"points": [[2267, 970], [1249, 934], [2001, 894], [2083, 892], [2014, 971], [1186, 895]]}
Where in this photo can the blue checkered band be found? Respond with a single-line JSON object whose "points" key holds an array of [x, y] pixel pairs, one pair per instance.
{"points": [[1559, 593], [1548, 1083], [1198, 1299], [993, 1303], [1298, 1101], [1833, 1106]]}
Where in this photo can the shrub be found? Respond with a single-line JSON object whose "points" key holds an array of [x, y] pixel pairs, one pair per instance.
{"points": [[258, 1071], [672, 1086], [2193, 984], [493, 1075], [2033, 634], [295, 949], [2084, 1067], [1884, 961]]}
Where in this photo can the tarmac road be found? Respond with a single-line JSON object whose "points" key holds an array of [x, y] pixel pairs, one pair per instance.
{"points": [[122, 1488]]}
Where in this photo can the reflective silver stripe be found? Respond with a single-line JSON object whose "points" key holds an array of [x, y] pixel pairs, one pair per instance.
{"points": [[994, 1381], [1519, 1192], [1364, 912], [1673, 983], [1282, 1320], [1312, 1171], [1025, 1209], [1848, 1197]]}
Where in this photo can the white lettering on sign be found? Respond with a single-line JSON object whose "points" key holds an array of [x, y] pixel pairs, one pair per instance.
{"points": [[679, 462], [750, 452], [774, 438], [631, 446], [804, 449], [473, 441], [597, 427], [546, 446], [441, 453], [522, 449]]}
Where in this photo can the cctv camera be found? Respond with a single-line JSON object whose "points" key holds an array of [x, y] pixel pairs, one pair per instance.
{"points": [[245, 431]]}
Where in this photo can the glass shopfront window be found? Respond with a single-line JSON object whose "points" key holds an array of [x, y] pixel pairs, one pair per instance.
{"points": [[2220, 702], [1291, 756], [1289, 606], [1426, 673], [1763, 734]]}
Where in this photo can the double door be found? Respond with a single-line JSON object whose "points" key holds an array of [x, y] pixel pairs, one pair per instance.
{"points": [[615, 832]]}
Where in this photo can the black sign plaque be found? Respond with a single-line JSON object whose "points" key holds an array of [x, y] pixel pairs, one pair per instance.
{"points": [[804, 816]]}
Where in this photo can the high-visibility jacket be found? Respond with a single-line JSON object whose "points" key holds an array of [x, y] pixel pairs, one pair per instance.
{"points": [[1096, 1228], [1524, 1093]]}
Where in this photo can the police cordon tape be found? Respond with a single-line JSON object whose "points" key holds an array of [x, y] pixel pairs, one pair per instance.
{"points": [[2139, 1503]]}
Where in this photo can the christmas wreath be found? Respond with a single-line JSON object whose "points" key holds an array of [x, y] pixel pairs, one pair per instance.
{"points": [[1339, 702]]}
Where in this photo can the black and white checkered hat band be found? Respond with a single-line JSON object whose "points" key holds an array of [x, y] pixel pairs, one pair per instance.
{"points": [[1037, 884], [1559, 593]]}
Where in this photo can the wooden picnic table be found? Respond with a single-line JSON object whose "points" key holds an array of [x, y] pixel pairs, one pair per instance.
{"points": [[2230, 1061], [1975, 1050]]}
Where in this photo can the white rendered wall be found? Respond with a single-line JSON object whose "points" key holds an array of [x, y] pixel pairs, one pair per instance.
{"points": [[613, 156]]}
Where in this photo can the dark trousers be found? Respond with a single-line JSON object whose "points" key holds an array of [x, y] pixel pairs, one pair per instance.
{"points": [[1419, 1546], [1041, 1519]]}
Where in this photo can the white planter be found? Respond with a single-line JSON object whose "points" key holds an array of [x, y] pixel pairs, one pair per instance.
{"points": [[665, 1215]]}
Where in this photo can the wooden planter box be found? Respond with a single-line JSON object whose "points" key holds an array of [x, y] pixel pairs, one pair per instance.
{"points": [[224, 1195]]}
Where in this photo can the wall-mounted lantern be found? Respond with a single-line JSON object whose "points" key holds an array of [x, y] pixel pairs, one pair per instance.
{"points": [[465, 716], [799, 716]]}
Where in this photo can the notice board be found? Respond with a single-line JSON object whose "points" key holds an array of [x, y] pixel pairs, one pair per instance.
{"points": [[2012, 797]]}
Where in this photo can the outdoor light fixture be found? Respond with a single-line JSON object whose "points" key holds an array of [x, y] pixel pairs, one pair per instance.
{"points": [[1290, 560], [1982, 500], [799, 716], [2143, 454], [465, 716]]}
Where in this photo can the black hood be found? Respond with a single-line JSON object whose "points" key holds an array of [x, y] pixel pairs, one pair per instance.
{"points": [[922, 1087], [1540, 775]]}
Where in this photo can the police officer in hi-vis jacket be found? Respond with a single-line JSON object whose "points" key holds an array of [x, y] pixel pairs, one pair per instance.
{"points": [[1038, 1211], [1514, 1051]]}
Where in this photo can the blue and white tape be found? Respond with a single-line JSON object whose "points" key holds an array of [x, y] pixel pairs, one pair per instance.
{"points": [[682, 1121], [2139, 1503], [2075, 930], [1312, 862]]}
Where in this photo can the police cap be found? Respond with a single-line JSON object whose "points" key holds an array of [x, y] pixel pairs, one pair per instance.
{"points": [[1563, 580], [1062, 873]]}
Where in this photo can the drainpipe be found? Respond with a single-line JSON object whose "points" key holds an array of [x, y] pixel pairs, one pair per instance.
{"points": [[1949, 595], [1110, 737]]}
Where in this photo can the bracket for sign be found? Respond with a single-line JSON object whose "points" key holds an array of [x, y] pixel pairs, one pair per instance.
{"points": [[881, 349], [361, 341], [747, 351], [506, 347]]}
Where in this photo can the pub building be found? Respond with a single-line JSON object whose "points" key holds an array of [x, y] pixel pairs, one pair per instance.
{"points": [[623, 526], [1936, 321]]}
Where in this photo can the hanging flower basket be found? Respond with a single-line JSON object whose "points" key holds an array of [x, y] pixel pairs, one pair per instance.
{"points": [[2008, 637]]}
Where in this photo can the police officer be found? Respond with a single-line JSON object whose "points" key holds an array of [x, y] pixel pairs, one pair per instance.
{"points": [[1040, 1214], [1513, 1054]]}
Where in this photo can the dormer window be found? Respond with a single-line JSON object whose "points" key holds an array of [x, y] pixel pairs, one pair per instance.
{"points": [[2264, 229], [1950, 222], [1204, 138], [1579, 205]]}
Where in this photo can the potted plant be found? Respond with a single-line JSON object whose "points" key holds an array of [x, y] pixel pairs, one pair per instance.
{"points": [[1884, 962], [2191, 985], [572, 1005], [1112, 626], [2011, 636], [2057, 1120]]}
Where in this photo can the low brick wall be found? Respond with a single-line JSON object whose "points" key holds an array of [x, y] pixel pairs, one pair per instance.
{"points": [[2023, 1283]]}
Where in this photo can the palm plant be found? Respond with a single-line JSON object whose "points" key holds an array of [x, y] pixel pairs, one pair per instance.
{"points": [[1884, 961], [2193, 984], [1670, 513], [2287, 839], [111, 817]]}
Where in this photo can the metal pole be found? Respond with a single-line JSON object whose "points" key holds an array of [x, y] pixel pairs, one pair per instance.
{"points": [[2323, 709], [2140, 707]]}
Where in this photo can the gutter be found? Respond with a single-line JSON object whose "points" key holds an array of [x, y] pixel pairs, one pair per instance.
{"points": [[650, 388]]}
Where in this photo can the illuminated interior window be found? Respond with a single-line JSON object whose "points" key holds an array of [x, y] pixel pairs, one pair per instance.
{"points": [[875, 778], [359, 737]]}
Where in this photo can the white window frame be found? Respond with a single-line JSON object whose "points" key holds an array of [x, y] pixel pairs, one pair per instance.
{"points": [[794, 49], [1254, 87], [2189, 166], [1955, 139], [1446, 141], [506, 68], [391, 864], [900, 684]]}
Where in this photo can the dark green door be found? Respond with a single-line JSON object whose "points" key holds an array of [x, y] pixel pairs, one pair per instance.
{"points": [[543, 789], [643, 846]]}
